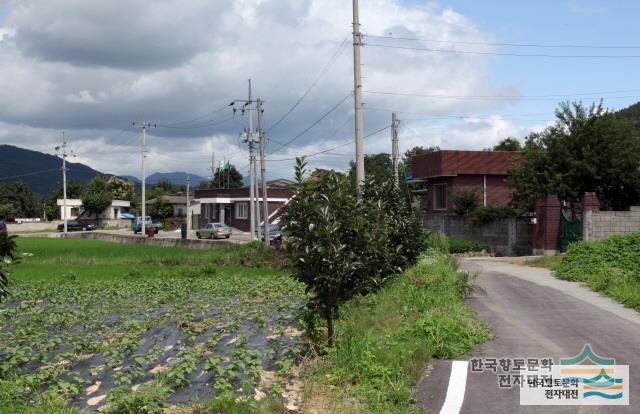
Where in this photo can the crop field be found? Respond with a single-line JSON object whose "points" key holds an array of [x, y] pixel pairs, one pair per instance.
{"points": [[91, 324]]}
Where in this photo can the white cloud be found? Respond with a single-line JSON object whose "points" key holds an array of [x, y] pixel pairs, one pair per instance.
{"points": [[93, 68]]}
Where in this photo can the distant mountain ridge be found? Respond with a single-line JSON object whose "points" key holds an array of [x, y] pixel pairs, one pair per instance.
{"points": [[42, 172], [177, 178]]}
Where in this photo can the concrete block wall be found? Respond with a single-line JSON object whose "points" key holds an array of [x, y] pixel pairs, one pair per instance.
{"points": [[601, 224], [507, 237]]}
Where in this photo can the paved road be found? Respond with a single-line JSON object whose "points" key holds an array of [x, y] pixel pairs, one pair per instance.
{"points": [[534, 315]]}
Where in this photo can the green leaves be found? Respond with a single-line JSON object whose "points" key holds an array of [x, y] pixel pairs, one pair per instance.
{"points": [[346, 245]]}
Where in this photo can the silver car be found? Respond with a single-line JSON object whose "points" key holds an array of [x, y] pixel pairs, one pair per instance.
{"points": [[214, 231]]}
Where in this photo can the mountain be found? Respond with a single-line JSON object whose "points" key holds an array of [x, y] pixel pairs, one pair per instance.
{"points": [[177, 178], [41, 172]]}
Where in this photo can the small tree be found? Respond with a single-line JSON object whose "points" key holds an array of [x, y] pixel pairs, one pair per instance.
{"points": [[465, 200], [508, 144], [96, 196], [345, 245], [161, 209]]}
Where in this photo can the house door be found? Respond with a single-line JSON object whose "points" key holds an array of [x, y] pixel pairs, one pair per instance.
{"points": [[569, 231], [227, 215]]}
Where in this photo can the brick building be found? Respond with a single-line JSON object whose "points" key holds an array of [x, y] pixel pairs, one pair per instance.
{"points": [[231, 205], [447, 171]]}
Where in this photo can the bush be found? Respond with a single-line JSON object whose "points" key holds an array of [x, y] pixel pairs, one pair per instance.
{"points": [[346, 244], [609, 266], [7, 258], [465, 200], [464, 246]]}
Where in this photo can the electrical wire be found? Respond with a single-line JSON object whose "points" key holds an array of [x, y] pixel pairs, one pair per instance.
{"points": [[538, 45], [499, 97], [324, 70], [29, 174], [470, 52]]}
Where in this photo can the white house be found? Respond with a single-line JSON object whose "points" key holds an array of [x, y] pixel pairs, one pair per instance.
{"points": [[74, 209]]}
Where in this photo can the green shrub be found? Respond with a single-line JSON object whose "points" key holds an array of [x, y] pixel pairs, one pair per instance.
{"points": [[609, 266], [147, 400], [465, 200], [464, 246]]}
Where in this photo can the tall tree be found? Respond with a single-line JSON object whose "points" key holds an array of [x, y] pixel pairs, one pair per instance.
{"points": [[587, 149], [120, 189], [508, 144], [96, 197], [17, 200], [227, 177], [376, 166]]}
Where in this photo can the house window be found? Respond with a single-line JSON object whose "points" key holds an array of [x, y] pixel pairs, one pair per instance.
{"points": [[242, 210], [440, 197], [179, 212]]}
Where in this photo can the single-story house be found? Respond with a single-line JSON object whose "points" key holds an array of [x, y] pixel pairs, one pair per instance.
{"points": [[231, 205], [447, 171], [75, 211]]}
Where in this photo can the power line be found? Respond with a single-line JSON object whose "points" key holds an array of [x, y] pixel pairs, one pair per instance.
{"points": [[326, 114], [537, 45], [324, 70], [469, 52], [205, 124], [504, 97], [196, 118], [29, 174]]}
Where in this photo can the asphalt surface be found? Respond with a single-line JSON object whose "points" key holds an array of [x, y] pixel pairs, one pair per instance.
{"points": [[534, 315]]}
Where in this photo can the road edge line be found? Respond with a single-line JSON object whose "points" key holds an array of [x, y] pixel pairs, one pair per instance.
{"points": [[456, 388]]}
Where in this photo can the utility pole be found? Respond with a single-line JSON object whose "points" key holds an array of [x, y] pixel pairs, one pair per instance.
{"points": [[63, 153], [394, 146], [357, 93], [188, 203], [263, 173], [144, 127], [213, 168], [257, 195], [250, 137]]}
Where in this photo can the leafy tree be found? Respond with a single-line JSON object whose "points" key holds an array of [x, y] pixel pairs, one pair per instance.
{"points": [[465, 200], [508, 144], [588, 149], [345, 245], [161, 208], [165, 186], [96, 196], [227, 177], [74, 190], [17, 200], [378, 167], [121, 189]]}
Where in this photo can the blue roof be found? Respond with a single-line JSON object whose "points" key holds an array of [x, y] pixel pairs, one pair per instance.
{"points": [[127, 216]]}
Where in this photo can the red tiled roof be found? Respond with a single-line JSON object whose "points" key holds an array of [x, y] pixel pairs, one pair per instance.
{"points": [[448, 163]]}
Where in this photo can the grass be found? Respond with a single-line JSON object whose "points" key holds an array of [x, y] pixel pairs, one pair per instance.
{"points": [[385, 340], [167, 322], [610, 266], [547, 262]]}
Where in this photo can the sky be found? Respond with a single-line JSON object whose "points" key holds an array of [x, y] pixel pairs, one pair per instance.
{"points": [[92, 69]]}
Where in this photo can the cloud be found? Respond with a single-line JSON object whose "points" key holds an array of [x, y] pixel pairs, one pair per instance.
{"points": [[94, 68]]}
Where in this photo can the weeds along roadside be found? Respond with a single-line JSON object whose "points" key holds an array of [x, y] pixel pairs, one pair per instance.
{"points": [[385, 340]]}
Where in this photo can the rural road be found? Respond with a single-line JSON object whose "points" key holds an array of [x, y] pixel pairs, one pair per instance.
{"points": [[532, 315]]}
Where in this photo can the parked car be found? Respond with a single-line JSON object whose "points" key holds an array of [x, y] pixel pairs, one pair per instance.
{"points": [[136, 225], [274, 233], [214, 231], [75, 225], [3, 227]]}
